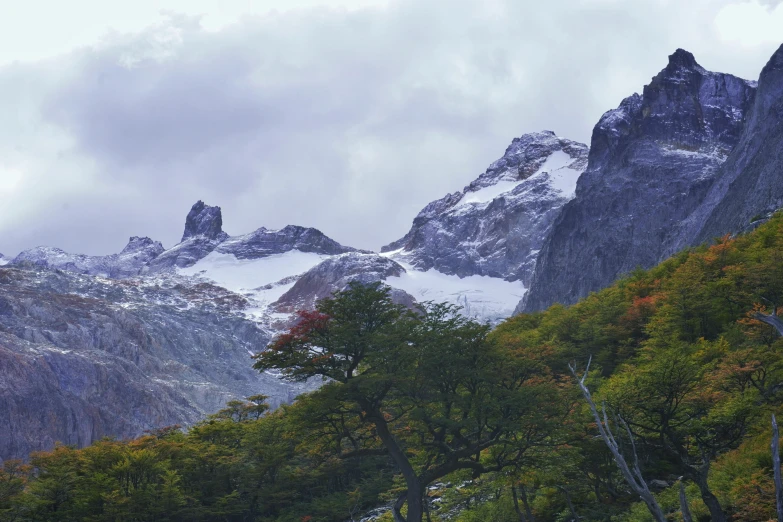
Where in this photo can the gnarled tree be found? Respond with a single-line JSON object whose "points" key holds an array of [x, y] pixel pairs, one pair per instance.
{"points": [[425, 387]]}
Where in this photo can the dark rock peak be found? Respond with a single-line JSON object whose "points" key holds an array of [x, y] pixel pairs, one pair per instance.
{"points": [[205, 221], [684, 107], [264, 242], [682, 58], [334, 274], [775, 62], [138, 244], [749, 183], [658, 151]]}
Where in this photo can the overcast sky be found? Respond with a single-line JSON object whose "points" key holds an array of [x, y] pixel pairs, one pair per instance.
{"points": [[345, 115]]}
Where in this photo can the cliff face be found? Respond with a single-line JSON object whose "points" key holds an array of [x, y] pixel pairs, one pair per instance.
{"points": [[496, 225], [86, 357], [750, 184], [652, 162]]}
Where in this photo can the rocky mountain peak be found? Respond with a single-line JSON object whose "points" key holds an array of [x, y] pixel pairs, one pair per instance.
{"points": [[749, 184], [775, 61], [682, 59], [204, 220], [524, 156], [659, 152], [770, 85], [264, 242], [139, 244], [495, 226]]}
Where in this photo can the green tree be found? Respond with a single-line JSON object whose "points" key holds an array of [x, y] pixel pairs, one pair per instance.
{"points": [[425, 387]]}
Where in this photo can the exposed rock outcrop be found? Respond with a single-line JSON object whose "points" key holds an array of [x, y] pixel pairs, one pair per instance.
{"points": [[264, 242], [750, 183], [86, 357], [652, 161], [496, 225], [137, 254], [204, 221], [334, 274]]}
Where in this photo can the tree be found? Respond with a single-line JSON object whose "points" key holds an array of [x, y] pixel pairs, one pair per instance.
{"points": [[425, 387], [675, 402], [632, 474]]}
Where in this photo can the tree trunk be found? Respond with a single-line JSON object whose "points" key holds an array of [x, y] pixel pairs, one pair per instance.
{"points": [[633, 476], [415, 489], [709, 499], [570, 504], [686, 512], [397, 506], [528, 511], [516, 504], [776, 468], [771, 319], [415, 506]]}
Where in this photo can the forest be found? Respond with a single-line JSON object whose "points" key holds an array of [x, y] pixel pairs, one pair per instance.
{"points": [[650, 400]]}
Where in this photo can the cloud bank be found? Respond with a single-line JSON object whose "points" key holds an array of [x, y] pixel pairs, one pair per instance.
{"points": [[348, 120]]}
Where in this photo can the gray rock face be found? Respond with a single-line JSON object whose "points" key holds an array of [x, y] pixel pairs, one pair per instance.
{"points": [[184, 254], [334, 274], [263, 242], [85, 357], [750, 183], [204, 233], [497, 224], [652, 161], [137, 253], [204, 221]]}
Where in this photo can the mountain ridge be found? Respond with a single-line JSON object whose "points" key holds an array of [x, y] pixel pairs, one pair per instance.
{"points": [[694, 154]]}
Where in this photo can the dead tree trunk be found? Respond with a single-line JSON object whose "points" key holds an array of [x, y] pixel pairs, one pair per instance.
{"points": [[771, 319], [632, 476], [776, 468], [686, 511]]}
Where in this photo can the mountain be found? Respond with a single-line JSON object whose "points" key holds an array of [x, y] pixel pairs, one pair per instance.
{"points": [[496, 225], [750, 184], [117, 344], [138, 253], [113, 345], [652, 162], [86, 357]]}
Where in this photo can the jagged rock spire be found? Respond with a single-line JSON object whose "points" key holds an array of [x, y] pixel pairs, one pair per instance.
{"points": [[203, 220], [682, 58]]}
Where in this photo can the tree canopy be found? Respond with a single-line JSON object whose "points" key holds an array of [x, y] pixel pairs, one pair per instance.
{"points": [[445, 418], [424, 386]]}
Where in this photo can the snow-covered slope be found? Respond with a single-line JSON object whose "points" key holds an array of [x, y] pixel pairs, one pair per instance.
{"points": [[481, 297], [496, 225], [137, 254]]}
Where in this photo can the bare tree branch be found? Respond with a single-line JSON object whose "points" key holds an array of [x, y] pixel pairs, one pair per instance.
{"points": [[635, 480], [771, 319], [776, 465], [686, 511]]}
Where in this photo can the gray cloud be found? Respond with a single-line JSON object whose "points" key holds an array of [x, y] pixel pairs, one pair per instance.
{"points": [[346, 121]]}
